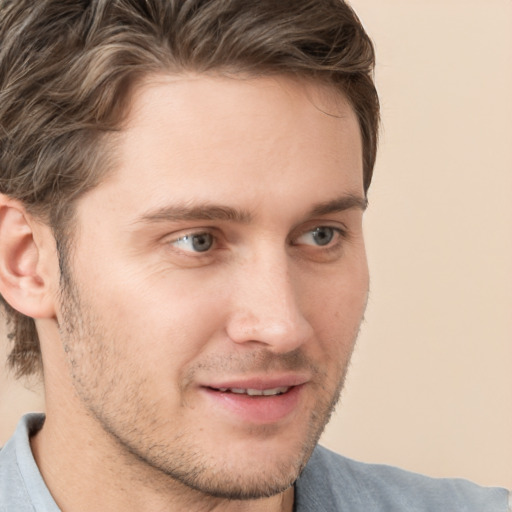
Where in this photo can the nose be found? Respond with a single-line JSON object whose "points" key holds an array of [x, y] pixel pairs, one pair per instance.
{"points": [[266, 307]]}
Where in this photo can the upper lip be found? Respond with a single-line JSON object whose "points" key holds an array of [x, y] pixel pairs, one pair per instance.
{"points": [[259, 382]]}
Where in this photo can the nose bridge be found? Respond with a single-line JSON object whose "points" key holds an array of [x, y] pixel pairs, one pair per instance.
{"points": [[266, 308]]}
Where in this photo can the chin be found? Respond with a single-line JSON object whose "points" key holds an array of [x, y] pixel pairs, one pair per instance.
{"points": [[244, 471], [233, 469], [243, 484]]}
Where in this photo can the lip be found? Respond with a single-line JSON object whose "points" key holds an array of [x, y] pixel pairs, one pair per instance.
{"points": [[256, 410], [259, 382]]}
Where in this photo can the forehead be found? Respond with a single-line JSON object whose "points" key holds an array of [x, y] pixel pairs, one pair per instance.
{"points": [[246, 100], [190, 137], [221, 91]]}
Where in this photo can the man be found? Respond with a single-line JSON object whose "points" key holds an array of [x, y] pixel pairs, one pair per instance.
{"points": [[182, 257]]}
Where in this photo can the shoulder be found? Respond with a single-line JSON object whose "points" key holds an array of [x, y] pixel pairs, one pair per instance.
{"points": [[331, 482], [22, 488], [12, 488]]}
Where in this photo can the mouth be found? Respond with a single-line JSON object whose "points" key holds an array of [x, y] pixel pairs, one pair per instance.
{"points": [[255, 392], [256, 403]]}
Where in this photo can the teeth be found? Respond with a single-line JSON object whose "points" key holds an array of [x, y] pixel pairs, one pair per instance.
{"points": [[256, 392]]}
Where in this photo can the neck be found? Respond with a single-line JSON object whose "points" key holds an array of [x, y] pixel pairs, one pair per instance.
{"points": [[83, 472]]}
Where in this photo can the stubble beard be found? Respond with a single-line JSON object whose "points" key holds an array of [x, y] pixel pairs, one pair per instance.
{"points": [[126, 414]]}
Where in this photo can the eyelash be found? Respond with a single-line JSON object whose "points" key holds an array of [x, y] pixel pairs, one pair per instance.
{"points": [[186, 236], [338, 236]]}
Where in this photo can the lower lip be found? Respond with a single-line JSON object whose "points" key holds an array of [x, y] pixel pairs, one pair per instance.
{"points": [[259, 410]]}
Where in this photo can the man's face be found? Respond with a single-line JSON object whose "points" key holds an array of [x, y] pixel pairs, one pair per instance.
{"points": [[218, 280]]}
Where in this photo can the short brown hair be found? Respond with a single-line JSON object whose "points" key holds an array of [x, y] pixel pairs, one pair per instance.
{"points": [[66, 67]]}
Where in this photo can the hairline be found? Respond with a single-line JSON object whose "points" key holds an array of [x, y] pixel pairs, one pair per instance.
{"points": [[108, 150]]}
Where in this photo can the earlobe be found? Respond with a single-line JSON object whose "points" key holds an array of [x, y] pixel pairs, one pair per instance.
{"points": [[24, 282]]}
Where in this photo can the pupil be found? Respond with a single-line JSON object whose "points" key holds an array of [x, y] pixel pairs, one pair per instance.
{"points": [[202, 242], [323, 236]]}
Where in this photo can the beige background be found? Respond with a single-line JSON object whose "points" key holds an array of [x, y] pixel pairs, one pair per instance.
{"points": [[431, 384]]}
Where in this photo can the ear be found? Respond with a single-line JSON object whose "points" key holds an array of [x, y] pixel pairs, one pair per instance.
{"points": [[27, 248]]}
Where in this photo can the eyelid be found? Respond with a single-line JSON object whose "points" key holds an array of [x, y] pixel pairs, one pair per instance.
{"points": [[340, 230], [171, 240]]}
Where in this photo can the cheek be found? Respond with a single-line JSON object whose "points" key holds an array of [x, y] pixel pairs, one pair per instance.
{"points": [[164, 324], [336, 299], [335, 308]]}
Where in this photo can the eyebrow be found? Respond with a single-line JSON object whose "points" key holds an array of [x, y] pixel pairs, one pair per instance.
{"points": [[347, 202], [198, 212], [178, 213]]}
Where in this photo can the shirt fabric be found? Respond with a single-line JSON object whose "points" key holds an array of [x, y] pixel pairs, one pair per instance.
{"points": [[329, 483]]}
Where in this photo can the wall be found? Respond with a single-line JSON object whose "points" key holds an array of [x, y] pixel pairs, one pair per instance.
{"points": [[431, 383]]}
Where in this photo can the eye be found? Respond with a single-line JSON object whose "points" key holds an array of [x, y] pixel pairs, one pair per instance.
{"points": [[197, 242], [320, 236]]}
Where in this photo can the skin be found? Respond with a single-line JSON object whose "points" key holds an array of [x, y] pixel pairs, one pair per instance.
{"points": [[266, 170]]}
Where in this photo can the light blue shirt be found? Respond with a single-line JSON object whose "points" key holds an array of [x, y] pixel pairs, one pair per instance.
{"points": [[329, 483]]}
